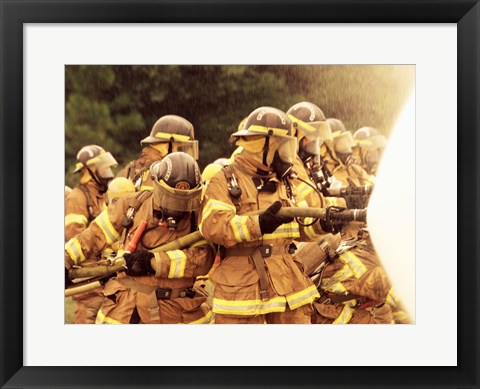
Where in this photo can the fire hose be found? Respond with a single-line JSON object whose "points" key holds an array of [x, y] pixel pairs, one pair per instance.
{"points": [[118, 264]]}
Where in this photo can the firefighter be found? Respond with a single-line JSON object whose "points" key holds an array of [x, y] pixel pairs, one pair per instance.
{"points": [[155, 287], [370, 144], [86, 201], [364, 282], [257, 280], [169, 134], [88, 198], [338, 156]]}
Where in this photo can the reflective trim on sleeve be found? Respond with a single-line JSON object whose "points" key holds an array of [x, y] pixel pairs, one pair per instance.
{"points": [[240, 230], [216, 205], [303, 190], [111, 235], [288, 230], [337, 288], [77, 218], [355, 263], [207, 319], [178, 260], [249, 307], [341, 275], [345, 316], [303, 297], [74, 249], [310, 230], [102, 319], [145, 187], [302, 204]]}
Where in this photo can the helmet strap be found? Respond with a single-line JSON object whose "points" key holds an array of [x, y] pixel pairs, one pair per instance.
{"points": [[101, 185], [170, 146], [265, 150]]}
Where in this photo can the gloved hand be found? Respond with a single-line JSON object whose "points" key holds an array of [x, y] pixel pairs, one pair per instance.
{"points": [[68, 281], [357, 201], [269, 220], [139, 263]]}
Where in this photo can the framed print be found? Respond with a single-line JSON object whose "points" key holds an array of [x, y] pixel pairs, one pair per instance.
{"points": [[40, 38]]}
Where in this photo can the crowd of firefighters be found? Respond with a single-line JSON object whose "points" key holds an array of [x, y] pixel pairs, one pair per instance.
{"points": [[279, 227]]}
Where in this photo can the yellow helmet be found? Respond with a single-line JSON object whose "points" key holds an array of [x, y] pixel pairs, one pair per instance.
{"points": [[210, 170], [119, 187]]}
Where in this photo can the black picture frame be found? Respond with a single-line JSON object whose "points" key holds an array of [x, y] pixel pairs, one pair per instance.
{"points": [[465, 13]]}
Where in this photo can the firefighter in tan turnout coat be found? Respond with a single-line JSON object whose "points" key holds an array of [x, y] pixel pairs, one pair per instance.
{"points": [[155, 288], [169, 134], [257, 280], [86, 201]]}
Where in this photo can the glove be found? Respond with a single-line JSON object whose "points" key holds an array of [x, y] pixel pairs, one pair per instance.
{"points": [[356, 201], [68, 281], [139, 263], [269, 220]]}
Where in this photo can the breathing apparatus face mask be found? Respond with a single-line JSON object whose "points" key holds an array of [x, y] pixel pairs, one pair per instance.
{"points": [[285, 152], [309, 149], [175, 203]]}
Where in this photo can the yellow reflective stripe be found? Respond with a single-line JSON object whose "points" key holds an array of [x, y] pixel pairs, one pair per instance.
{"points": [[304, 190], [215, 205], [111, 235], [178, 137], [303, 297], [266, 130], [72, 218], [104, 207], [392, 298], [102, 319], [145, 187], [249, 307], [302, 204], [357, 266], [351, 303], [345, 316], [289, 230], [305, 125], [74, 249], [310, 230], [240, 230], [341, 275], [204, 319], [178, 260], [337, 288]]}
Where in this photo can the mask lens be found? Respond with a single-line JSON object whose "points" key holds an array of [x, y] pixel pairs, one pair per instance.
{"points": [[287, 148], [189, 147]]}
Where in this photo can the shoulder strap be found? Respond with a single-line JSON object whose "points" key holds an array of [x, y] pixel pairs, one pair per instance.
{"points": [[234, 189], [91, 214], [139, 173]]}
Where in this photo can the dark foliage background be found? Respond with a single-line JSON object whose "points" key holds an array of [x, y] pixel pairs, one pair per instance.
{"points": [[116, 106]]}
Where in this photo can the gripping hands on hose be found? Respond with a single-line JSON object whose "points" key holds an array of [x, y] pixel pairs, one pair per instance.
{"points": [[139, 263], [269, 220]]}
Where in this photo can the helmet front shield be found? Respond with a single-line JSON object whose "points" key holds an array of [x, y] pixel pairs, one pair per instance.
{"points": [[175, 199]]}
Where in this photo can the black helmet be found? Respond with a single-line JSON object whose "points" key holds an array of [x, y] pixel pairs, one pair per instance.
{"points": [[265, 121], [98, 162], [177, 183], [311, 128], [271, 122], [173, 129]]}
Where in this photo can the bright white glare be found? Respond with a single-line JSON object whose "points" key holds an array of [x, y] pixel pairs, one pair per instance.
{"points": [[391, 210]]}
